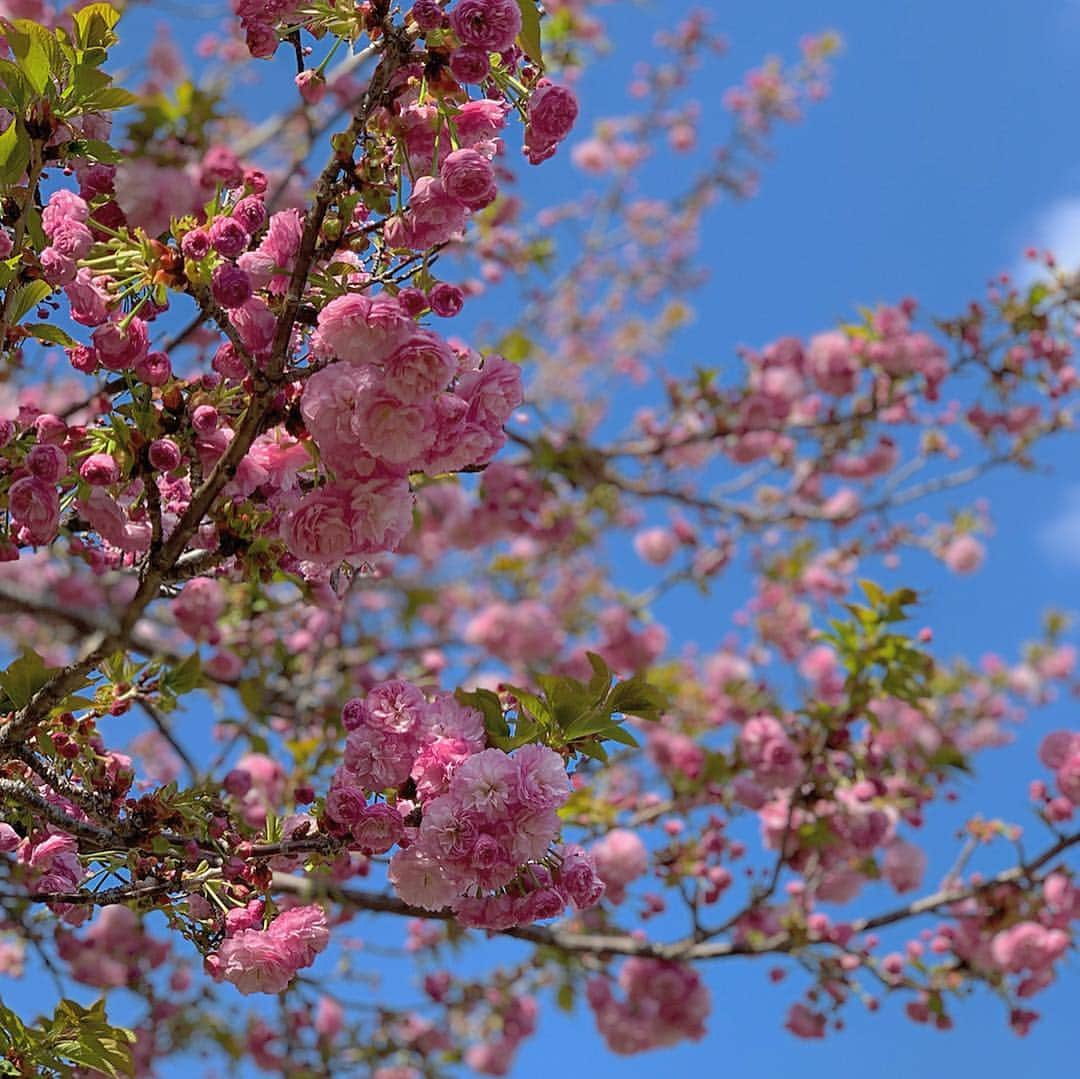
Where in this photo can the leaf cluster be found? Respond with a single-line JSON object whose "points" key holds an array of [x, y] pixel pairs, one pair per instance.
{"points": [[569, 715], [55, 76], [73, 1038]]}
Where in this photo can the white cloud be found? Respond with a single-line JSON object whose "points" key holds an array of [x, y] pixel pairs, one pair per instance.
{"points": [[1056, 229], [1060, 537]]}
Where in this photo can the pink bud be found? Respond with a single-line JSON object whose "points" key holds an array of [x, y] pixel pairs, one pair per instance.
{"points": [[164, 454], [100, 470], [312, 86]]}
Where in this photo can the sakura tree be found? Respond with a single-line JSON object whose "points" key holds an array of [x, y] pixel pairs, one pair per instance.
{"points": [[317, 623]]}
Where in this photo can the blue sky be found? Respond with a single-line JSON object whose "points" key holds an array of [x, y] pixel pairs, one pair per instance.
{"points": [[943, 151]]}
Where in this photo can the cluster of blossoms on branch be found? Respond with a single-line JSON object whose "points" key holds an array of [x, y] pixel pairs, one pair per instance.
{"points": [[286, 488], [484, 846]]}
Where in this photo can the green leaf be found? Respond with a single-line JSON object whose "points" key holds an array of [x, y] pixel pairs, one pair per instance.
{"points": [[94, 25], [636, 697], [53, 335], [615, 733], [185, 677], [874, 593], [84, 1036], [532, 704], [88, 80], [12, 1028], [36, 230], [529, 38], [25, 677], [600, 683], [594, 750], [948, 756], [17, 85], [490, 707], [30, 295], [14, 153], [251, 694], [515, 347], [589, 724], [9, 270], [34, 48], [114, 97]]}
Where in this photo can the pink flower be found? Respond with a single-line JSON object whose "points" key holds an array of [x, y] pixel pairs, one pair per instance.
{"points": [[231, 286], [255, 961], [362, 330], [542, 779], [58, 268], [152, 195], [620, 858], [199, 606], [100, 470], [420, 881], [35, 506], [435, 765], [331, 406], [447, 718], [88, 299], [769, 752], [47, 462], [382, 514], [492, 25], [1028, 946], [72, 239], [470, 64], [255, 324], [831, 361], [345, 804], [394, 707], [804, 1023], [492, 392], [44, 854], [394, 431], [446, 300], [523, 632], [1068, 778], [904, 866], [321, 528], [303, 934], [487, 781], [63, 206], [468, 176], [434, 217], [329, 1018], [251, 213], [1057, 747], [656, 545], [480, 121], [120, 349], [268, 265], [665, 1002], [378, 828], [579, 879], [228, 237], [552, 112], [964, 554]]}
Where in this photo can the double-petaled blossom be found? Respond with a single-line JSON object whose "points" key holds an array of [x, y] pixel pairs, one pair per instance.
{"points": [[266, 960]]}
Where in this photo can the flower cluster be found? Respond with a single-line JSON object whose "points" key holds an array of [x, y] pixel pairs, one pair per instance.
{"points": [[115, 951], [664, 1003], [389, 399], [265, 960], [484, 845]]}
